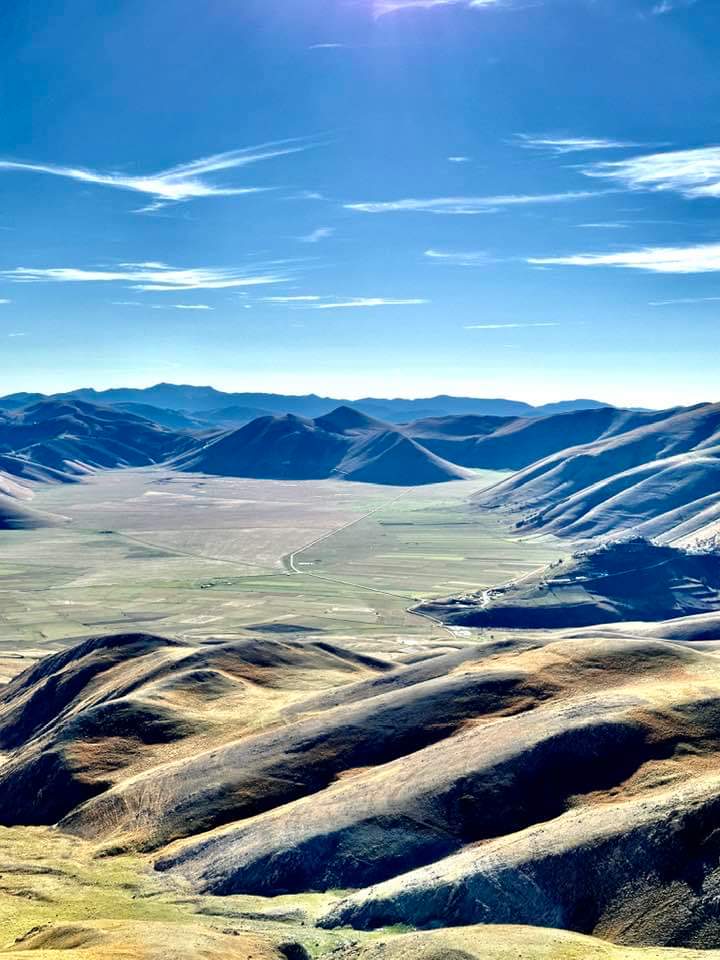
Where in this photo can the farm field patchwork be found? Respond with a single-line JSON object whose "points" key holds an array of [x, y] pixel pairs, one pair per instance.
{"points": [[199, 557]]}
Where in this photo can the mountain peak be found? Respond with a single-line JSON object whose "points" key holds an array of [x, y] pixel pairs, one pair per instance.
{"points": [[345, 418]]}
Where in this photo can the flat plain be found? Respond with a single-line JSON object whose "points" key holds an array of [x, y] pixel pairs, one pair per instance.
{"points": [[204, 557]]}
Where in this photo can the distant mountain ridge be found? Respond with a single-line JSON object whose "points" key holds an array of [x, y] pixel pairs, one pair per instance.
{"points": [[61, 440], [219, 407], [582, 474], [345, 444]]}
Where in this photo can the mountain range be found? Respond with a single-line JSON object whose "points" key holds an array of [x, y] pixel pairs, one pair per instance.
{"points": [[583, 474], [218, 408], [345, 444]]}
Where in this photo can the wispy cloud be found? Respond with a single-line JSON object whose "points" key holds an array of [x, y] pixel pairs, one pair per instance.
{"points": [[326, 46], [367, 302], [12, 335], [507, 326], [382, 7], [459, 159], [322, 233], [299, 299], [183, 306], [704, 258], [684, 301], [175, 184], [307, 195], [4, 301], [562, 145], [693, 173], [617, 225], [149, 277], [466, 206], [667, 6], [467, 259]]}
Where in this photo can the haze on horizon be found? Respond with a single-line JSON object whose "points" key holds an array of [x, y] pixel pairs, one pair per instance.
{"points": [[363, 197]]}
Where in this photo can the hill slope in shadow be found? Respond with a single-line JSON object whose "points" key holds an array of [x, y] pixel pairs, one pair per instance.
{"points": [[61, 440], [345, 444], [621, 580]]}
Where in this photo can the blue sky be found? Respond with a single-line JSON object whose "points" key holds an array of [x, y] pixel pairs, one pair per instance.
{"points": [[496, 198]]}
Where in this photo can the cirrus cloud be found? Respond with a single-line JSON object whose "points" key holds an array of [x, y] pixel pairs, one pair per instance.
{"points": [[692, 173], [149, 277], [475, 258], [383, 7], [562, 145], [354, 302], [507, 326], [322, 233], [467, 206], [703, 258], [175, 184]]}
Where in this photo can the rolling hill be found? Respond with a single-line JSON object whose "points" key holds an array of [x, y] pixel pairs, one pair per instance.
{"points": [[622, 580], [552, 780], [661, 479], [514, 443], [344, 443], [61, 440], [15, 493], [18, 516]]}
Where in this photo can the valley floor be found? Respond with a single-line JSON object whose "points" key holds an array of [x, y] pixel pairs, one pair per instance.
{"points": [[198, 557]]}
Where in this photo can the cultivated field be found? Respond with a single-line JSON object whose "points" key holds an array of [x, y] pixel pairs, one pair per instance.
{"points": [[198, 557]]}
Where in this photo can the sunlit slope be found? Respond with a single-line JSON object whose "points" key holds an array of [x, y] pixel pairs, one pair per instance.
{"points": [[661, 479], [512, 443], [551, 779]]}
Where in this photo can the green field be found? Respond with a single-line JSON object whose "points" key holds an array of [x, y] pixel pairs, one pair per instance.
{"points": [[200, 557]]}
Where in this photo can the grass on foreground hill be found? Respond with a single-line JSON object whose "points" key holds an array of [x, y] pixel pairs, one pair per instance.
{"points": [[59, 901]]}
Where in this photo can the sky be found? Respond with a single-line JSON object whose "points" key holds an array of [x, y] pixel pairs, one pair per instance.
{"points": [[512, 198]]}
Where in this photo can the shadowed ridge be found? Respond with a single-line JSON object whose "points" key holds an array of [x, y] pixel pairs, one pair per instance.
{"points": [[363, 659], [622, 580], [42, 694], [275, 448], [70, 436], [268, 770], [644, 871], [346, 419], [391, 458], [23, 469], [115, 645], [469, 425], [563, 740], [80, 721], [16, 516], [344, 444]]}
